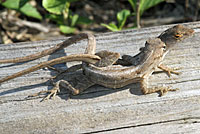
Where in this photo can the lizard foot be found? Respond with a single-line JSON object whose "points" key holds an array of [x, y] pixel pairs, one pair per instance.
{"points": [[171, 70], [162, 90], [56, 89], [168, 70], [52, 93]]}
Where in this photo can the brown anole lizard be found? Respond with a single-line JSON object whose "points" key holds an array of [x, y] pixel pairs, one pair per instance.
{"points": [[170, 37], [143, 65]]}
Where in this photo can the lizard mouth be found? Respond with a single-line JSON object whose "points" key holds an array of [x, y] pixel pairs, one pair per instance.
{"points": [[190, 32], [184, 35]]}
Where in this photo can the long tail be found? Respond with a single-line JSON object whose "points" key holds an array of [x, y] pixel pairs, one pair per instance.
{"points": [[49, 51], [74, 57]]}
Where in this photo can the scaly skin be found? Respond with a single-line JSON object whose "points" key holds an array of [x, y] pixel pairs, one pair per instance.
{"points": [[142, 65]]}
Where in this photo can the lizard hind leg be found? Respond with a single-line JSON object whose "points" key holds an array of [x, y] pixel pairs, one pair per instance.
{"points": [[107, 58], [146, 90], [56, 89]]}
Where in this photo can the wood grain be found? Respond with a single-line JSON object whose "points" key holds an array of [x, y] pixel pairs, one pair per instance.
{"points": [[100, 109]]}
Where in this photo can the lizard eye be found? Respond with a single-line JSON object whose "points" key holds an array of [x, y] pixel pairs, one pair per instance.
{"points": [[164, 47], [177, 36]]}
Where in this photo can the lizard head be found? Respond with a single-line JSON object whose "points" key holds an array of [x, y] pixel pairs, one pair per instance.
{"points": [[155, 44], [175, 34], [181, 32], [156, 48]]}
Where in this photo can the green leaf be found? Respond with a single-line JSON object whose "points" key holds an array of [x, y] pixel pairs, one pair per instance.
{"points": [[66, 29], [111, 27], [31, 11], [146, 4], [84, 20], [22, 6], [74, 19], [23, 2], [133, 4], [54, 6], [66, 13], [56, 18], [57, 6], [71, 1], [121, 17], [12, 4]]}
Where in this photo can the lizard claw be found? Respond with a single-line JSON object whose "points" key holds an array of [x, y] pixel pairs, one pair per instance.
{"points": [[168, 70], [52, 93], [172, 71], [164, 90], [56, 89]]}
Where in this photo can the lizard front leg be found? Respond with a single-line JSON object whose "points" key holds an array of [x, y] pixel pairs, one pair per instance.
{"points": [[168, 70], [146, 90]]}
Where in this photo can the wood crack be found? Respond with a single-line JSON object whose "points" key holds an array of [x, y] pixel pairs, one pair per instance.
{"points": [[185, 120]]}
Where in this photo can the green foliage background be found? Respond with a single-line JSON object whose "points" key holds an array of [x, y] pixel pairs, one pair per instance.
{"points": [[59, 12]]}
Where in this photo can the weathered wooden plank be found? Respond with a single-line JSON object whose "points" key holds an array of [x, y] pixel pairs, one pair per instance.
{"points": [[100, 109]]}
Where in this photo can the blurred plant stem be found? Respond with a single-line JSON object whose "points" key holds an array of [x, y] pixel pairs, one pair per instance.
{"points": [[138, 14]]}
